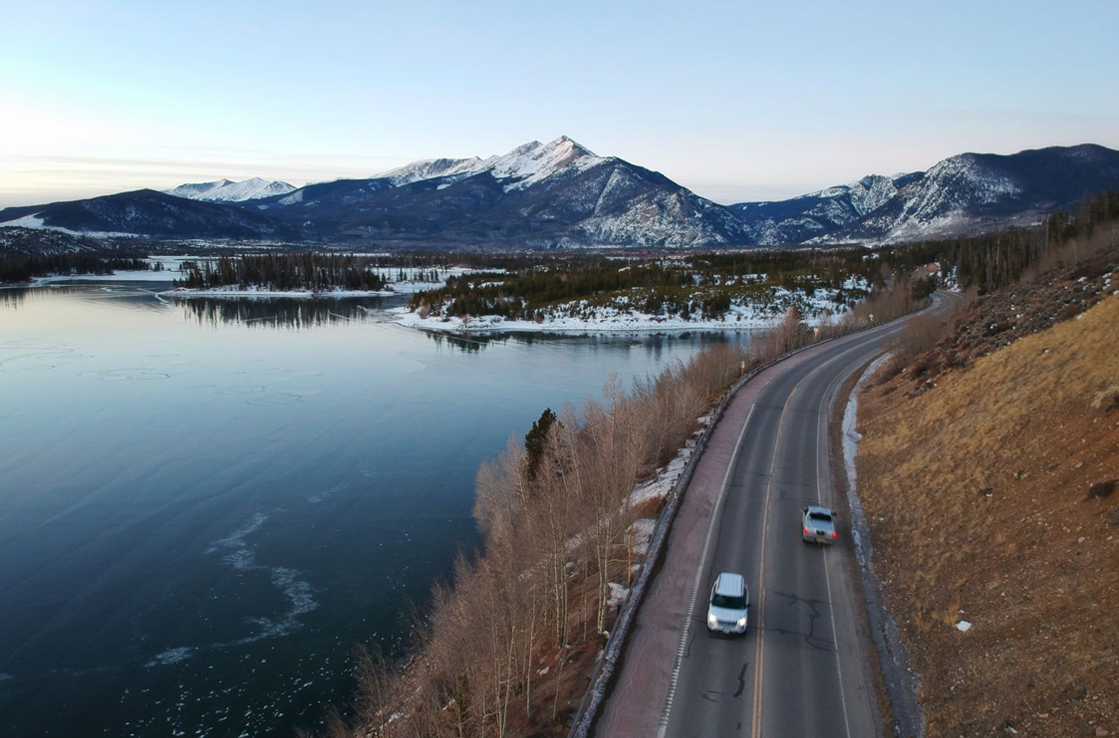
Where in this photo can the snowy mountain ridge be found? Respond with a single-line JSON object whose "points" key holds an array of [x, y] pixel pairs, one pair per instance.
{"points": [[226, 190], [961, 195], [523, 166]]}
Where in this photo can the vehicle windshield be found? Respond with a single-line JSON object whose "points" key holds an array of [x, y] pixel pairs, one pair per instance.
{"points": [[730, 603], [820, 517]]}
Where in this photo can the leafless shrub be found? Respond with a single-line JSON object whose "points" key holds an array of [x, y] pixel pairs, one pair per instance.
{"points": [[1107, 399], [372, 703], [918, 337]]}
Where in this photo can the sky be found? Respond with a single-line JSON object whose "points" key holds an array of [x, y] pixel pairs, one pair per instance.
{"points": [[744, 100]]}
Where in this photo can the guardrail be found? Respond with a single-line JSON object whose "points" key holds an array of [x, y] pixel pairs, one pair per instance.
{"points": [[602, 676]]}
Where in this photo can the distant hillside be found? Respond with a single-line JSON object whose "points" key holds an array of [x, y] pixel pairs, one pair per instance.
{"points": [[150, 213], [962, 195], [40, 241], [225, 190]]}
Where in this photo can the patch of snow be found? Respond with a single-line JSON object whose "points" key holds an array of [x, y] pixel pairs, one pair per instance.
{"points": [[660, 485], [617, 596], [640, 533], [28, 221]]}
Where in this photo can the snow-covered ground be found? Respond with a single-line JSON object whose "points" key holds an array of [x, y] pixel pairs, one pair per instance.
{"points": [[413, 282], [171, 271], [120, 276], [34, 222]]}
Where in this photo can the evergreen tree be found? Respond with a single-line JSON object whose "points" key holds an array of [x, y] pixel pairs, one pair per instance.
{"points": [[536, 440]]}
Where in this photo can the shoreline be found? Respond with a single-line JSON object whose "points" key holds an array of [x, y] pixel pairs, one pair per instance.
{"points": [[239, 294], [739, 319], [618, 323]]}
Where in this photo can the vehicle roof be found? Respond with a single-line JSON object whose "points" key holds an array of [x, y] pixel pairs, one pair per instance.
{"points": [[732, 585], [818, 509]]}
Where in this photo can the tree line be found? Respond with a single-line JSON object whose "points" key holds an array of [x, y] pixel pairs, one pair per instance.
{"points": [[284, 272], [702, 286], [20, 268]]}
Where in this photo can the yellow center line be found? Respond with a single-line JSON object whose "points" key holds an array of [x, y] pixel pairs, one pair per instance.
{"points": [[759, 649]]}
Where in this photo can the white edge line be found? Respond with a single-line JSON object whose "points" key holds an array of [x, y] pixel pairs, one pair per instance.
{"points": [[698, 578], [821, 448]]}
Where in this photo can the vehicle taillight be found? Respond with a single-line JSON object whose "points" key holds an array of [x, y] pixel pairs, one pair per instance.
{"points": [[805, 531], [835, 534]]}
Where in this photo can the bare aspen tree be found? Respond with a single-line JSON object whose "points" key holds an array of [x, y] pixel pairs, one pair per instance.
{"points": [[372, 704]]}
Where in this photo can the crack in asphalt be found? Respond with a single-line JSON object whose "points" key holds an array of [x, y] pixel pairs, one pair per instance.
{"points": [[741, 682], [813, 640]]}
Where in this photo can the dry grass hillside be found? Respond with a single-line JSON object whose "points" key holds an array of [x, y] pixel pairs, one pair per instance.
{"points": [[991, 499]]}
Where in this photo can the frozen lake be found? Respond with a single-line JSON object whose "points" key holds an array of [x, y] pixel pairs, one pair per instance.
{"points": [[205, 505]]}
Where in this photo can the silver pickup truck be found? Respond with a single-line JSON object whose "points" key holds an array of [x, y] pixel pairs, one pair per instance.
{"points": [[819, 525]]}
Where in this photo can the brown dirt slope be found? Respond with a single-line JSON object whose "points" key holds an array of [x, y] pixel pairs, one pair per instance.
{"points": [[989, 501]]}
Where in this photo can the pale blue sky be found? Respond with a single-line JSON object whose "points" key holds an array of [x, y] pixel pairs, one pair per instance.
{"points": [[743, 100]]}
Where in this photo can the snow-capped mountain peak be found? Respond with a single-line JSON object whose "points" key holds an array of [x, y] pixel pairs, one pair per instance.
{"points": [[535, 161], [226, 190], [522, 167]]}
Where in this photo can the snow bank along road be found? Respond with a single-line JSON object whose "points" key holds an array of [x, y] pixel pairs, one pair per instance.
{"points": [[803, 667]]}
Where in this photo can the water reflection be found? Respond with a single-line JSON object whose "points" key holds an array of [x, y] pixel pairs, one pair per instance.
{"points": [[654, 344], [279, 313], [12, 298]]}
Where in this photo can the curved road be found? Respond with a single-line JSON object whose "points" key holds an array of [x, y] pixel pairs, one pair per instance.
{"points": [[801, 670]]}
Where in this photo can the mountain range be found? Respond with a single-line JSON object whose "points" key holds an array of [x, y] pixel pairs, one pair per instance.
{"points": [[561, 195], [965, 194]]}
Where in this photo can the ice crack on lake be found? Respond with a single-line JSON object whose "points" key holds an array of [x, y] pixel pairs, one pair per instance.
{"points": [[238, 554]]}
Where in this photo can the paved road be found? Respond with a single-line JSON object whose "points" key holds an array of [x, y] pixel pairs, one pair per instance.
{"points": [[802, 668]]}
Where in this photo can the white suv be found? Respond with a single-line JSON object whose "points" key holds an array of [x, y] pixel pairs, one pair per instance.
{"points": [[726, 612]]}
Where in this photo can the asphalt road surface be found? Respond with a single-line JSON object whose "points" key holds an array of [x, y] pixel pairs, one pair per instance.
{"points": [[803, 668]]}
